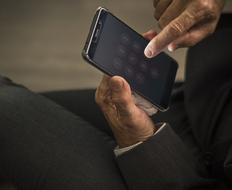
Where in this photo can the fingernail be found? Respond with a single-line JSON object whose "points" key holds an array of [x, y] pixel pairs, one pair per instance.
{"points": [[148, 52], [171, 48], [116, 85]]}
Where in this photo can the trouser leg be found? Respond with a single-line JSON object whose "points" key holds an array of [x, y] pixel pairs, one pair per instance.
{"points": [[43, 146], [81, 103]]}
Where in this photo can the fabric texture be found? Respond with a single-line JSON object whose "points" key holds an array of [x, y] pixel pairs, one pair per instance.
{"points": [[167, 161], [43, 146]]}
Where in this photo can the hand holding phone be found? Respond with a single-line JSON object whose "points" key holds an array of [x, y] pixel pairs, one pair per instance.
{"points": [[116, 49], [128, 122]]}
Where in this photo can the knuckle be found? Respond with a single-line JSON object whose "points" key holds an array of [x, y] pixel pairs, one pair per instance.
{"points": [[183, 23], [207, 9], [189, 19], [176, 28], [190, 16], [205, 5]]}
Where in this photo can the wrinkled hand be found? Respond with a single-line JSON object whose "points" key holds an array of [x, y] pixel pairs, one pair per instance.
{"points": [[184, 23], [129, 123]]}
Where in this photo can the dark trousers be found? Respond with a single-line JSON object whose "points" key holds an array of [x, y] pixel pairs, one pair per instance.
{"points": [[60, 140]]}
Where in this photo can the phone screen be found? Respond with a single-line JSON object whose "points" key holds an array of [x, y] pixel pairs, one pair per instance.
{"points": [[119, 50]]}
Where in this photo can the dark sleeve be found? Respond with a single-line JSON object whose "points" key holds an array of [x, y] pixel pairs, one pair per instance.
{"points": [[163, 162]]}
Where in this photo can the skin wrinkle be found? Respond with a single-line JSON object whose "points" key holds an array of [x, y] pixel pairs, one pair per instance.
{"points": [[169, 14], [184, 23], [188, 22], [198, 32], [181, 20], [129, 123]]}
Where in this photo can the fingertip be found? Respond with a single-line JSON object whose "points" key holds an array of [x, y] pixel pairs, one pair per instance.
{"points": [[116, 83], [148, 52]]}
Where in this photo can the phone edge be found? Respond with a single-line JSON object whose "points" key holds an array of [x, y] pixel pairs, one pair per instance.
{"points": [[89, 60]]}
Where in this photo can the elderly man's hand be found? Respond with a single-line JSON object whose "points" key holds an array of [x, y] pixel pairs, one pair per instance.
{"points": [[129, 123], [184, 23]]}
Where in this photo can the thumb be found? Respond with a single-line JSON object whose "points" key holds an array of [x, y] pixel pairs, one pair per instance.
{"points": [[121, 95]]}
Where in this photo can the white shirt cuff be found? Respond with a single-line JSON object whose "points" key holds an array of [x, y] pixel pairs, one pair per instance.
{"points": [[119, 151]]}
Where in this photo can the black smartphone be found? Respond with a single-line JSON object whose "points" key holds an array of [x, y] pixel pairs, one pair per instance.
{"points": [[116, 49]]}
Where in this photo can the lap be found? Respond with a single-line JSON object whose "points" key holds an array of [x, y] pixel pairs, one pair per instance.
{"points": [[44, 146], [81, 103]]}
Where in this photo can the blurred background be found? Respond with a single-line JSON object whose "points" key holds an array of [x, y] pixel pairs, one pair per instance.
{"points": [[41, 41]]}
